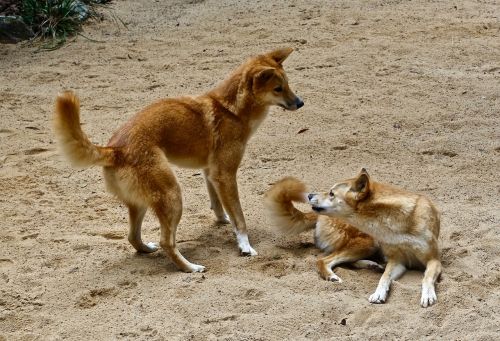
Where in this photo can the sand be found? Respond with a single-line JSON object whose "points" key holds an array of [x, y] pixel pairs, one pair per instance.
{"points": [[408, 89]]}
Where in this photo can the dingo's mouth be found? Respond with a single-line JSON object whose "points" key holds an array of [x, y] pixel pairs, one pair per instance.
{"points": [[318, 208], [289, 108]]}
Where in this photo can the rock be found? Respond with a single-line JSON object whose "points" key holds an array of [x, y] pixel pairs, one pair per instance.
{"points": [[13, 30], [81, 9]]}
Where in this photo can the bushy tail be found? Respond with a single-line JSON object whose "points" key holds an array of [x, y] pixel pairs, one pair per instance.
{"points": [[280, 210], [73, 142]]}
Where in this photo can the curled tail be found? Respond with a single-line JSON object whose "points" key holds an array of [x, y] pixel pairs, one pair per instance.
{"points": [[283, 215], [73, 142]]}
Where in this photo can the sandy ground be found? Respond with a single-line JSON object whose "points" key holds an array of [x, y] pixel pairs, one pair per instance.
{"points": [[408, 89]]}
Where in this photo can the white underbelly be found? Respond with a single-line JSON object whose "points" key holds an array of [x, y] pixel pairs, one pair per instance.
{"points": [[187, 162]]}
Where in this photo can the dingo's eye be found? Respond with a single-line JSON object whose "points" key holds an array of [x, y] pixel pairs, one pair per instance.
{"points": [[332, 195], [278, 89]]}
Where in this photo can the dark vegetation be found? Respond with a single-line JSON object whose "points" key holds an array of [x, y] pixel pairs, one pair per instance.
{"points": [[53, 20]]}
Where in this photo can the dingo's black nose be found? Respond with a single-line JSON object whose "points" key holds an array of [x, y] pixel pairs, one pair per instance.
{"points": [[310, 195], [300, 103]]}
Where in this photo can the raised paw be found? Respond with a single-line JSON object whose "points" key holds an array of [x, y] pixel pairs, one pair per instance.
{"points": [[378, 297], [428, 297]]}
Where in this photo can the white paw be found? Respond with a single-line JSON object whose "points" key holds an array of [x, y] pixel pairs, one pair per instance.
{"points": [[377, 267], [334, 278], [147, 248], [244, 245], [224, 219], [379, 296], [248, 251], [428, 297], [196, 268], [152, 246]]}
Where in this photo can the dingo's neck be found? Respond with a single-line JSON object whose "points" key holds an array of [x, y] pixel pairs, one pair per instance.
{"points": [[235, 94]]}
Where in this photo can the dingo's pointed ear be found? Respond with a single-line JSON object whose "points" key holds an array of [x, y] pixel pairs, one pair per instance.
{"points": [[280, 55], [264, 75], [362, 185]]}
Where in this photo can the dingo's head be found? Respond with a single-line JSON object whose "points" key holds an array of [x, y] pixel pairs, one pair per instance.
{"points": [[343, 196], [270, 83]]}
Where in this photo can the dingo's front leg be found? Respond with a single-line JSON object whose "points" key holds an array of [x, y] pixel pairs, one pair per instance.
{"points": [[226, 188], [431, 274], [215, 205], [393, 271]]}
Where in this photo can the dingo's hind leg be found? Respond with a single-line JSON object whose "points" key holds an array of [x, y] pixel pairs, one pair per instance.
{"points": [[164, 197], [136, 215], [347, 255]]}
